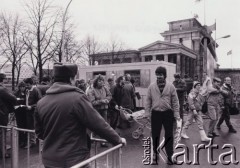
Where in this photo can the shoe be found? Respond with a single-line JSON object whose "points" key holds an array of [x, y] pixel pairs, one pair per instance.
{"points": [[232, 130], [203, 136], [154, 160], [184, 134], [104, 145], [171, 161], [215, 134], [210, 135]]}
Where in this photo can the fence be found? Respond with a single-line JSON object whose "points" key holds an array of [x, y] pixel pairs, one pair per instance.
{"points": [[17, 160], [115, 151], [141, 102]]}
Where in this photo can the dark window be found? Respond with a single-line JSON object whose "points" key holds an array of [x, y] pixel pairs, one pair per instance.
{"points": [[180, 40], [127, 60], [148, 58], [99, 73], [160, 57], [106, 61], [135, 74]]}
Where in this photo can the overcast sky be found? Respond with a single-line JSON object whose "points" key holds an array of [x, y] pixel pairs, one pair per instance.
{"points": [[138, 22]]}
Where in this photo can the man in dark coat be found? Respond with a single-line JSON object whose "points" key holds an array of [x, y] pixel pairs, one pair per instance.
{"points": [[7, 102], [180, 86], [228, 104], [62, 117]]}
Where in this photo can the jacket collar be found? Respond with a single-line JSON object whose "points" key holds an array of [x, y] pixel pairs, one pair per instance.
{"points": [[157, 88], [59, 87]]}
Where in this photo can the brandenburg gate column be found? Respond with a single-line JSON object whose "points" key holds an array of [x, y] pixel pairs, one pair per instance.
{"points": [[182, 65], [178, 63], [166, 57], [154, 57]]}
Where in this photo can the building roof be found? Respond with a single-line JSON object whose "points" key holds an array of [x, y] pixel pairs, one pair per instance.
{"points": [[168, 46], [118, 52]]}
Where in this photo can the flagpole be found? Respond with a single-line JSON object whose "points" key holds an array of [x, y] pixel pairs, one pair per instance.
{"points": [[215, 46], [204, 12]]}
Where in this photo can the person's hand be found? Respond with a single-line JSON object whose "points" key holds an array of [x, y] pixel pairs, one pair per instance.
{"points": [[29, 107], [195, 113], [124, 142], [116, 107]]}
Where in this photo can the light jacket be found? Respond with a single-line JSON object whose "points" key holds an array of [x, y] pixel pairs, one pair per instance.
{"points": [[164, 101]]}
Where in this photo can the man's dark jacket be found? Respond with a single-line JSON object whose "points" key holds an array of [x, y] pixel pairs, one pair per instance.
{"points": [[62, 117], [7, 102]]}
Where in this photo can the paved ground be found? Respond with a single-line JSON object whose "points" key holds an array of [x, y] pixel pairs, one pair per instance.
{"points": [[133, 153]]}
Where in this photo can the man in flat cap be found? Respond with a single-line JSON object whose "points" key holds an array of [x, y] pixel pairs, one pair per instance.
{"points": [[162, 106], [214, 104], [228, 104], [7, 102], [62, 117], [181, 87]]}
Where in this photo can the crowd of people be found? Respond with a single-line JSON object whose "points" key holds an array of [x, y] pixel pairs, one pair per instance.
{"points": [[61, 110]]}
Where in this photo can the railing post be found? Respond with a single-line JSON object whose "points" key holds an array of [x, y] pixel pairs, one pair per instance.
{"points": [[3, 146], [15, 159]]}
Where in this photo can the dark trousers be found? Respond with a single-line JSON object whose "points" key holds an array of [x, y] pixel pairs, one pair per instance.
{"points": [[225, 117], [21, 119], [165, 119], [113, 116]]}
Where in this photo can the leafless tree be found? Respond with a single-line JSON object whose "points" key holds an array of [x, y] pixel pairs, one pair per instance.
{"points": [[91, 46], [43, 17], [115, 47], [13, 45]]}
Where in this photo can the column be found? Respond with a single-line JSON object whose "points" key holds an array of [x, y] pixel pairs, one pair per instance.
{"points": [[154, 57], [166, 57], [187, 66], [143, 58], [178, 63], [183, 65]]}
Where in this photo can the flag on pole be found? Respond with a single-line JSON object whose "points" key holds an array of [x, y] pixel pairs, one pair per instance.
{"points": [[229, 52], [211, 28], [195, 16]]}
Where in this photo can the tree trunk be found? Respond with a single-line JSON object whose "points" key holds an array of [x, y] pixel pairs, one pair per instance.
{"points": [[13, 75]]}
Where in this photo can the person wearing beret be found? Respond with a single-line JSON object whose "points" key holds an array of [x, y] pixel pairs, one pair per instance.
{"points": [[162, 105], [62, 118], [7, 103]]}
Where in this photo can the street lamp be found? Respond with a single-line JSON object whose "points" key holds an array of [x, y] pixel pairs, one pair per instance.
{"points": [[215, 44], [227, 36], [63, 32]]}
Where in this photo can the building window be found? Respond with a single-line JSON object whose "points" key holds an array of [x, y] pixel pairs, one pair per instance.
{"points": [[180, 41], [160, 57], [103, 73], [172, 58], [127, 60], [148, 58], [106, 61], [116, 60], [135, 74]]}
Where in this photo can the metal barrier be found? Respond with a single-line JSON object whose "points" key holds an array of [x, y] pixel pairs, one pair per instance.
{"points": [[3, 132], [14, 141], [15, 147], [141, 102], [116, 156]]}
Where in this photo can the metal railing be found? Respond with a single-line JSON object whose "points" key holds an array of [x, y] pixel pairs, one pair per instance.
{"points": [[141, 102], [17, 161], [115, 151]]}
